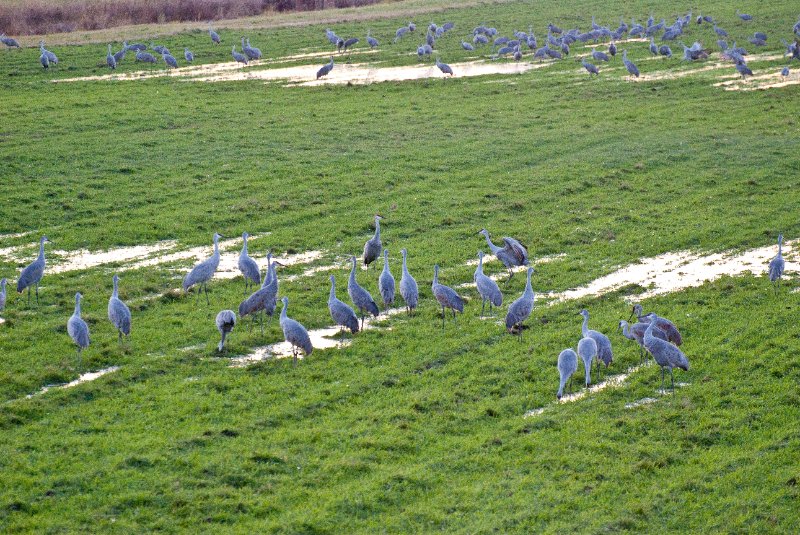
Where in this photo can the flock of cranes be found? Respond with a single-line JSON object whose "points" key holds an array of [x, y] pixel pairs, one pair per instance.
{"points": [[655, 335], [556, 45]]}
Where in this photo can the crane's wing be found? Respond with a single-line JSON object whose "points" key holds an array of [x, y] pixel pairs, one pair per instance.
{"points": [[517, 249]]}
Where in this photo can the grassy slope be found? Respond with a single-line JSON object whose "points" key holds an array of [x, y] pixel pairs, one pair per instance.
{"points": [[395, 432]]}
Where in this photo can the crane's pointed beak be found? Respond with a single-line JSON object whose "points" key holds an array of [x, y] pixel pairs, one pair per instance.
{"points": [[633, 310]]}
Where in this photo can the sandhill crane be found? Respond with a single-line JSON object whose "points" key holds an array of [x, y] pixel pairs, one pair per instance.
{"points": [[33, 272], [10, 42], [214, 35], [341, 313], [632, 69], [204, 271], [187, 55], [226, 320], [325, 69], [118, 312], [264, 300], [512, 254], [119, 56], [408, 286], [371, 40], [604, 351], [669, 328], [145, 57], [111, 61], [170, 60], [567, 365], [587, 350], [386, 282], [372, 249], [248, 266], [487, 288], [590, 68], [3, 294], [240, 58], [77, 329], [446, 296], [444, 67], [636, 331], [360, 297], [777, 264], [665, 354], [519, 310], [294, 333]]}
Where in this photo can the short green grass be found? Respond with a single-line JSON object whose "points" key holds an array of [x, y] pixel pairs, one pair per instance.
{"points": [[408, 429]]}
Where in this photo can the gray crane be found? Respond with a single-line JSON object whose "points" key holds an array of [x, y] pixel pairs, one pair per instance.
{"points": [[226, 320], [240, 58], [467, 46], [119, 56], [111, 61], [169, 59], [408, 286], [567, 365], [256, 51], [341, 313], [631, 67], [204, 271], [590, 68], [3, 294], [487, 288], [604, 351], [214, 35], [187, 55], [10, 42], [446, 296], [44, 60], [251, 53], [719, 31], [77, 328], [325, 69], [331, 36], [360, 297], [665, 354], [744, 16], [411, 26], [665, 51], [248, 266], [777, 264], [600, 56], [33, 272], [401, 31], [373, 43], [636, 331], [512, 254], [137, 46], [785, 73], [386, 282], [612, 49], [373, 247], [118, 312], [587, 350], [146, 57], [159, 49], [519, 310], [294, 333], [349, 42], [265, 299], [444, 67], [51, 57], [669, 328], [653, 47], [743, 69]]}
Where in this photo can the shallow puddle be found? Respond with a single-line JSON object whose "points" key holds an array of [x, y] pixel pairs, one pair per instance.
{"points": [[84, 378], [320, 339], [770, 80]]}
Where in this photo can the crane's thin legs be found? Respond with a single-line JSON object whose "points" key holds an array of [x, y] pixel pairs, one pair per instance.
{"points": [[79, 360], [483, 304], [37, 294], [29, 296], [205, 287], [443, 316], [261, 321], [672, 380], [662, 379]]}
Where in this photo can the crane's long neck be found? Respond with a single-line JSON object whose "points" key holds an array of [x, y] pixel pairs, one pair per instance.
{"points": [[585, 325], [216, 246], [528, 287], [116, 285], [353, 271], [480, 263], [405, 268], [283, 312], [377, 228], [244, 245], [626, 330], [41, 249], [386, 260], [435, 275], [332, 295], [492, 246], [780, 244], [77, 306]]}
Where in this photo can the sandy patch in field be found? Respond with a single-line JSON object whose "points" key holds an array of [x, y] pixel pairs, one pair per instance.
{"points": [[769, 80], [83, 378], [14, 235], [320, 339], [640, 402], [672, 272]]}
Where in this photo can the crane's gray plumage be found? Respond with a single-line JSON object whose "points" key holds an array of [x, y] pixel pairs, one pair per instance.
{"points": [[444, 67], [371, 40], [386, 282], [636, 331], [226, 320], [10, 42], [401, 31], [325, 69], [214, 35], [519, 310], [248, 266], [251, 53], [341, 313], [446, 296], [487, 288], [604, 351], [669, 328], [33, 272], [255, 51], [51, 57], [119, 56], [744, 16], [240, 58], [777, 264], [111, 61], [187, 55], [169, 59], [145, 57], [373, 247], [665, 354], [349, 42], [360, 297], [44, 61], [204, 271], [3, 293], [590, 67], [512, 254], [632, 69], [77, 329], [567, 365], [159, 49], [265, 299], [587, 350], [294, 333], [138, 47], [408, 285], [467, 46], [600, 56], [118, 312]]}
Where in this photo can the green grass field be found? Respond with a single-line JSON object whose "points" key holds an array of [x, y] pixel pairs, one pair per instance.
{"points": [[408, 429]]}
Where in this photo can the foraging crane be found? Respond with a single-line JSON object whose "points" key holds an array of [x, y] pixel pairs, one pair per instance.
{"points": [[632, 69], [636, 331], [226, 320], [408, 286], [77, 329], [341, 313], [248, 266], [604, 351], [520, 309], [386, 282], [118, 312], [446, 296], [444, 67], [587, 350], [665, 354], [487, 288], [214, 35], [512, 254], [204, 271], [325, 69], [777, 264], [360, 297], [567, 365], [669, 328], [33, 272], [240, 58], [373, 247], [294, 333]]}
